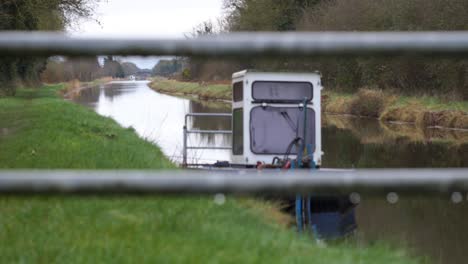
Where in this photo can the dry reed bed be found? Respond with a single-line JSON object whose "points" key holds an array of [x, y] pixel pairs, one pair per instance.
{"points": [[377, 104]]}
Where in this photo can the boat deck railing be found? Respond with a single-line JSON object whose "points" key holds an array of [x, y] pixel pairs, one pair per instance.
{"points": [[187, 131]]}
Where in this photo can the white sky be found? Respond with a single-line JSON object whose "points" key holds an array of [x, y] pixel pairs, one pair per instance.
{"points": [[145, 18]]}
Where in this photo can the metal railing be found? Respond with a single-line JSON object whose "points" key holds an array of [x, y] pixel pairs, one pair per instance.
{"points": [[242, 44], [426, 181], [195, 131], [371, 182]]}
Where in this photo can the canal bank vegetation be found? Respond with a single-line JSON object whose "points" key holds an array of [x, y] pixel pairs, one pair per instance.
{"points": [[72, 89], [404, 75], [383, 133], [41, 130], [202, 90], [56, 15], [30, 15], [424, 111], [38, 129], [86, 69], [427, 91]]}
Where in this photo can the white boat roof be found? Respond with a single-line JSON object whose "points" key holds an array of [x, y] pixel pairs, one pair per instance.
{"points": [[240, 74]]}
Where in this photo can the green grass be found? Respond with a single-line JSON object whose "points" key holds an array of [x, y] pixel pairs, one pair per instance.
{"points": [[205, 91], [433, 103], [40, 130], [159, 230], [43, 131]]}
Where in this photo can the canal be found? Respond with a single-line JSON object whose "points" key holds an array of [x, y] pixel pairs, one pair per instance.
{"points": [[433, 227]]}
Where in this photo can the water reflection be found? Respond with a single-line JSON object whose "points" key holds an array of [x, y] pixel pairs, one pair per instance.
{"points": [[211, 123], [433, 227], [159, 118], [367, 143]]}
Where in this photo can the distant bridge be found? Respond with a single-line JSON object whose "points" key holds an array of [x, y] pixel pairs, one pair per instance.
{"points": [[143, 74]]}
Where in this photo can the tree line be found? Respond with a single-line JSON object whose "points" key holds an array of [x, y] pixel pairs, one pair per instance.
{"points": [[406, 75], [29, 15], [61, 69], [169, 67], [86, 69]]}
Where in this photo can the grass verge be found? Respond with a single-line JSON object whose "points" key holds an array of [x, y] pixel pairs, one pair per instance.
{"points": [[201, 90], [40, 130]]}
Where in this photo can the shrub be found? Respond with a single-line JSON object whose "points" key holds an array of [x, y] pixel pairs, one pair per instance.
{"points": [[336, 106], [186, 75], [461, 121], [448, 118], [408, 113], [370, 103]]}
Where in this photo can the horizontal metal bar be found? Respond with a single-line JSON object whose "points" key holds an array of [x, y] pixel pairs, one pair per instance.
{"points": [[210, 114], [209, 131], [209, 148], [453, 43], [205, 115], [404, 181]]}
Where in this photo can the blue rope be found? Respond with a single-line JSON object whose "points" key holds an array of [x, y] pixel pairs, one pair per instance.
{"points": [[299, 219], [311, 226], [304, 147]]}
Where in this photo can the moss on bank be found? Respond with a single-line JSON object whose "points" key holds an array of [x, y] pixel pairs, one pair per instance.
{"points": [[40, 130]]}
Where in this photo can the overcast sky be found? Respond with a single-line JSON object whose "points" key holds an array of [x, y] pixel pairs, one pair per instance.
{"points": [[161, 18]]}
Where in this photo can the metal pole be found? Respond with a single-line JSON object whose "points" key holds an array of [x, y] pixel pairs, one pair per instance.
{"points": [[247, 44], [224, 132], [184, 151], [370, 182], [208, 147]]}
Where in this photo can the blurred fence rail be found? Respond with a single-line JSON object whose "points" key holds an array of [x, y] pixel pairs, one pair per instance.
{"points": [[366, 181], [407, 181], [248, 43]]}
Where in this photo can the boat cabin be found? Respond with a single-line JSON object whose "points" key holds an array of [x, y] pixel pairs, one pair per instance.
{"points": [[276, 123], [272, 113]]}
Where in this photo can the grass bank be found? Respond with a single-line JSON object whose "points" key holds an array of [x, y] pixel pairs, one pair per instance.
{"points": [[40, 130], [200, 90], [424, 111]]}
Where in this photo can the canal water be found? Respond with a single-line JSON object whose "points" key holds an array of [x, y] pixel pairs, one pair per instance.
{"points": [[159, 118], [432, 227]]}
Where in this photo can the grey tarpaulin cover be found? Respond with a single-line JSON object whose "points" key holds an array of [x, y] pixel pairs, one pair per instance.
{"points": [[272, 129]]}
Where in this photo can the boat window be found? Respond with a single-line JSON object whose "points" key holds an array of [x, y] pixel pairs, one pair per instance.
{"points": [[238, 91], [272, 129], [269, 91], [238, 131]]}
